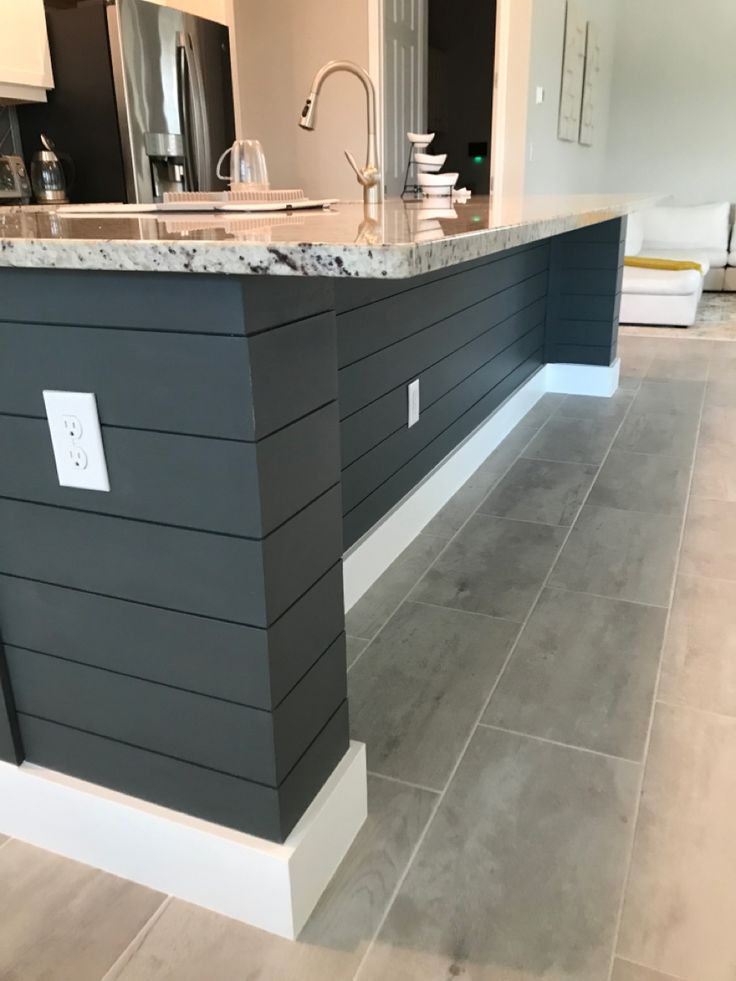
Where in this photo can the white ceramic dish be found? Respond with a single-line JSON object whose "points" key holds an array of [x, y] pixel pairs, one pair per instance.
{"points": [[434, 160], [423, 139], [437, 185]]}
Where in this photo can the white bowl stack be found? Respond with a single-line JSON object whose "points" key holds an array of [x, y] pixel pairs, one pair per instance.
{"points": [[432, 182]]}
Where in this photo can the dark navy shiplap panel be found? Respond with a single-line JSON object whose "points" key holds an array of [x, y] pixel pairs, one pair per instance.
{"points": [[210, 671], [248, 665], [462, 335], [586, 271], [190, 481], [385, 321], [362, 518], [11, 748], [166, 301], [189, 571], [209, 794], [244, 742], [386, 415], [180, 383]]}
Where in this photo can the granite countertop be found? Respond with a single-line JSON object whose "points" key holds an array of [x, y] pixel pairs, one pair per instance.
{"points": [[397, 240]]}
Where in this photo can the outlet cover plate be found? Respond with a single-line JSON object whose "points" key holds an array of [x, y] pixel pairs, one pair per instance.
{"points": [[77, 440], [413, 400]]}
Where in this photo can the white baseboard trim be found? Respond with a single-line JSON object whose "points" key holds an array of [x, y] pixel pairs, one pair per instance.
{"points": [[583, 379], [267, 885], [379, 547]]}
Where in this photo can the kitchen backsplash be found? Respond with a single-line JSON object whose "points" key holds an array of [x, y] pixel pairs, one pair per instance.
{"points": [[9, 136]]}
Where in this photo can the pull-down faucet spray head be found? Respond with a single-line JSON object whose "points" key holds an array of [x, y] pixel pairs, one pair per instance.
{"points": [[308, 119]]}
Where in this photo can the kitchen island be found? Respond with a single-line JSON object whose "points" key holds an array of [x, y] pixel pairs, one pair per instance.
{"points": [[179, 640]]}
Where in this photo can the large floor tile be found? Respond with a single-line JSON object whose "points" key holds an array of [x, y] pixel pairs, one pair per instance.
{"points": [[459, 508], [416, 694], [60, 919], [683, 397], [622, 554], [679, 910], [191, 944], [540, 490], [647, 430], [714, 475], [709, 544], [373, 609], [588, 407], [640, 482], [583, 673], [520, 874], [573, 440], [494, 566], [545, 407], [699, 665], [718, 425], [715, 460], [721, 393], [688, 368], [626, 971]]}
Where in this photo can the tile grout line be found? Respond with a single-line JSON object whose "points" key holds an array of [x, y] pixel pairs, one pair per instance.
{"points": [[457, 532], [690, 708], [647, 741], [557, 742], [474, 728], [120, 960], [404, 783], [612, 599], [456, 609], [666, 977]]}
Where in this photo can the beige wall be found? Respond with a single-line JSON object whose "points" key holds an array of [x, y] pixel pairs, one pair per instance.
{"points": [[278, 47], [218, 10]]}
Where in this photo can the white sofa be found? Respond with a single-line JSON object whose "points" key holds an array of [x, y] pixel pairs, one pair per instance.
{"points": [[698, 232], [659, 296], [730, 277]]}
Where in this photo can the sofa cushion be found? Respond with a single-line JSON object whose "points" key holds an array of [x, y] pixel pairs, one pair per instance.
{"points": [[661, 282], [695, 227], [695, 255], [732, 258], [634, 233], [733, 239]]}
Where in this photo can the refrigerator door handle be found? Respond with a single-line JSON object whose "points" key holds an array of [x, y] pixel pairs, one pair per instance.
{"points": [[193, 112], [184, 100]]}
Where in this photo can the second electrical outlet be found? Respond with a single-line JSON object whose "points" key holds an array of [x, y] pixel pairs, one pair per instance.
{"points": [[413, 400]]}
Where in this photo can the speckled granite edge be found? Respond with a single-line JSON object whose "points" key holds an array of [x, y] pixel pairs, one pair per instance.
{"points": [[393, 261]]}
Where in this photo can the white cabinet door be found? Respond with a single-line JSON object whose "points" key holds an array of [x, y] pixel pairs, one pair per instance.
{"points": [[25, 65], [404, 84]]}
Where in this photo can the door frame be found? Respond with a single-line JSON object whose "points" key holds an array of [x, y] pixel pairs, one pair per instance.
{"points": [[510, 97]]}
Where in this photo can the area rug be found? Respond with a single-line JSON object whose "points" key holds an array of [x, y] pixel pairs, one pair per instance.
{"points": [[716, 321]]}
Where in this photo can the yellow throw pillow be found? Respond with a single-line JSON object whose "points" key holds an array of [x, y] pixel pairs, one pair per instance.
{"points": [[643, 262]]}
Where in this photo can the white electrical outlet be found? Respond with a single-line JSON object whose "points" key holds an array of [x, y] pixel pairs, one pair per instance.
{"points": [[76, 439], [539, 95], [413, 400]]}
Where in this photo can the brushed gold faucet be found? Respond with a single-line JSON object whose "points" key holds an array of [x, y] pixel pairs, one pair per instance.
{"points": [[369, 176]]}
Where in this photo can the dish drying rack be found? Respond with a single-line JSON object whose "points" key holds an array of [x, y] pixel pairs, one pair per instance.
{"points": [[235, 197]]}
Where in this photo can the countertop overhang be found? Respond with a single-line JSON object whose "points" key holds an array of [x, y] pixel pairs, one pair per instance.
{"points": [[396, 240]]}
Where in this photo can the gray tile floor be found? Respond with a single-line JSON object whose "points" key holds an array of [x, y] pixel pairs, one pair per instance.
{"points": [[546, 683]]}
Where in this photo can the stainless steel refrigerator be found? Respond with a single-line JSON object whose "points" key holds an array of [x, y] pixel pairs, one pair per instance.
{"points": [[143, 99]]}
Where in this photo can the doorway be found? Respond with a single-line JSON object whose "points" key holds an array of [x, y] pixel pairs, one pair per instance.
{"points": [[438, 68]]}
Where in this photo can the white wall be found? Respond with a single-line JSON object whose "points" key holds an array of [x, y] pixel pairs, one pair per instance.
{"points": [[556, 166], [672, 126], [278, 48]]}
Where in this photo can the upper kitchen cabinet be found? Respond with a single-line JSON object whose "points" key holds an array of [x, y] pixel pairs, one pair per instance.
{"points": [[25, 65]]}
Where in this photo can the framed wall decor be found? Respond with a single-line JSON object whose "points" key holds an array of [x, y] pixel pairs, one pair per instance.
{"points": [[590, 85], [573, 70]]}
